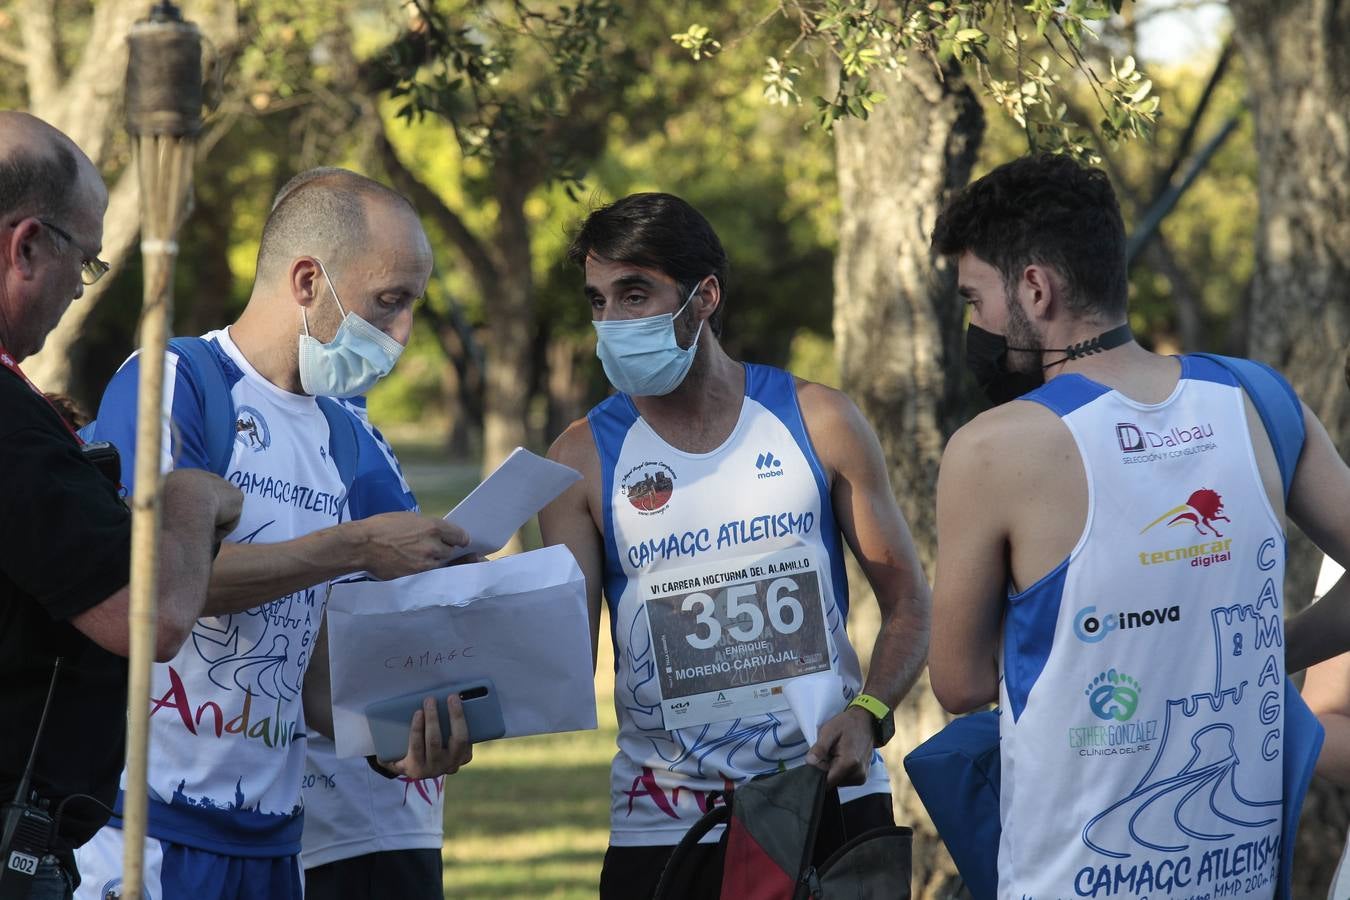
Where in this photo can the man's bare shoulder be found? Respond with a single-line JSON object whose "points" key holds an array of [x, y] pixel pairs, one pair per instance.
{"points": [[825, 408], [1017, 435], [575, 447]]}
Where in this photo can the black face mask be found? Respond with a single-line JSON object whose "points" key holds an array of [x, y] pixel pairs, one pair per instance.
{"points": [[987, 359]]}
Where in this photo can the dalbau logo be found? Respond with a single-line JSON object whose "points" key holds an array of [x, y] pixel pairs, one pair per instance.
{"points": [[1202, 509], [1133, 439], [1113, 695]]}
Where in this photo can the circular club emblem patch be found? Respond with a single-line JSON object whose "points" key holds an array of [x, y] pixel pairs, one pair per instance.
{"points": [[648, 486], [250, 429]]}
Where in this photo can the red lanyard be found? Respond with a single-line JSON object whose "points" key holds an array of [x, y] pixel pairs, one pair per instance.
{"points": [[9, 363]]}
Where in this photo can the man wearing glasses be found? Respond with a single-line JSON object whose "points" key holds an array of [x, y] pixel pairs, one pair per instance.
{"points": [[91, 267], [64, 534]]}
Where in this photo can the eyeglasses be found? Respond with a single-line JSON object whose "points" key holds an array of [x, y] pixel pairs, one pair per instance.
{"points": [[91, 270]]}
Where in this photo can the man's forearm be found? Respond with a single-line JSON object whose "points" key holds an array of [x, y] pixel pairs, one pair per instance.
{"points": [[1321, 631], [185, 566], [1333, 763], [185, 542], [899, 654], [246, 576]]}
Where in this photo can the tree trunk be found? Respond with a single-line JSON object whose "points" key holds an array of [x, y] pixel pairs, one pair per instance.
{"points": [[568, 390], [1298, 55], [510, 331], [897, 327], [463, 433], [86, 104], [463, 380], [208, 303]]}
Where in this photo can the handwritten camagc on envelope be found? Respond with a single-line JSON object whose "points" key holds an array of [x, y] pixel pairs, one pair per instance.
{"points": [[520, 621]]}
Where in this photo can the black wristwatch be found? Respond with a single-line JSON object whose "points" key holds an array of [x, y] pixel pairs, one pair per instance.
{"points": [[883, 718]]}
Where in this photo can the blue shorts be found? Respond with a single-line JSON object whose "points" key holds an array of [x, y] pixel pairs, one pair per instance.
{"points": [[177, 872]]}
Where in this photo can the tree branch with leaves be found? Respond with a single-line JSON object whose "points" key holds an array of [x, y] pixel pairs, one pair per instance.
{"points": [[1047, 39]]}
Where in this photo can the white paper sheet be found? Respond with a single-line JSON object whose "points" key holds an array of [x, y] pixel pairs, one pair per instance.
{"points": [[520, 621], [515, 491], [1326, 579], [814, 700]]}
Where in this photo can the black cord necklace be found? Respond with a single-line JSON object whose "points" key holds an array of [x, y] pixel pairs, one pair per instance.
{"points": [[1107, 340]]}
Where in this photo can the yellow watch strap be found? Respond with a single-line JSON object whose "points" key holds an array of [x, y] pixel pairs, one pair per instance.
{"points": [[872, 705]]}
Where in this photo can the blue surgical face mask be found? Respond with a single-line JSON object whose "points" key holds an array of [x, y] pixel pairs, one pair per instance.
{"points": [[349, 365], [641, 356]]}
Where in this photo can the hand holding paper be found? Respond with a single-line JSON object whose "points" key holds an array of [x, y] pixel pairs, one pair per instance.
{"points": [[396, 544], [506, 500], [838, 744]]}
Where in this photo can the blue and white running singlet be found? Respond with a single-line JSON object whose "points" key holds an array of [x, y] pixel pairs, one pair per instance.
{"points": [[1142, 686], [349, 809], [724, 574], [227, 750]]}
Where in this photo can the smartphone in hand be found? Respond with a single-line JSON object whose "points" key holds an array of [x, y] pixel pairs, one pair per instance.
{"points": [[390, 719]]}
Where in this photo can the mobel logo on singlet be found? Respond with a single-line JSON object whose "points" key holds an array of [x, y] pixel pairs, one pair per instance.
{"points": [[768, 466], [1140, 445]]}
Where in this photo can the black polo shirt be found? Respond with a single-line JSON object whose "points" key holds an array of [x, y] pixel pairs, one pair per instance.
{"points": [[65, 543]]}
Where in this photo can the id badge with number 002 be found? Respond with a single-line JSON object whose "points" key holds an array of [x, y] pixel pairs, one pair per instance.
{"points": [[727, 636]]}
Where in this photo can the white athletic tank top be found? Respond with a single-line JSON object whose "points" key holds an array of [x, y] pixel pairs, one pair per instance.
{"points": [[1142, 685], [227, 750], [724, 574], [350, 810]]}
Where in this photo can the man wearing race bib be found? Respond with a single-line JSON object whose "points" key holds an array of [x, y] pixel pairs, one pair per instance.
{"points": [[716, 501], [1111, 553]]}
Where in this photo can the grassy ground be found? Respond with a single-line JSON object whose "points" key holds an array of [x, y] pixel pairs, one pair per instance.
{"points": [[528, 818]]}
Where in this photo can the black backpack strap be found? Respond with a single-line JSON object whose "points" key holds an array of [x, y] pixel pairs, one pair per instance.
{"points": [[718, 815]]}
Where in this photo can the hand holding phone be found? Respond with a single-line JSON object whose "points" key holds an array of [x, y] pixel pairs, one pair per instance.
{"points": [[389, 719]]}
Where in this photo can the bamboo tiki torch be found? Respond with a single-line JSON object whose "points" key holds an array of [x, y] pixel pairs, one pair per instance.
{"points": [[163, 109]]}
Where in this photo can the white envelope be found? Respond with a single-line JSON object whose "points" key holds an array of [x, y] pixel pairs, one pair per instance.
{"points": [[520, 621]]}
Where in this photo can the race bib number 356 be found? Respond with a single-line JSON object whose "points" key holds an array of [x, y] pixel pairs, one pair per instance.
{"points": [[728, 636]]}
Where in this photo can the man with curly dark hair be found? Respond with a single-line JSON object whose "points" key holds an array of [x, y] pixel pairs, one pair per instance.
{"points": [[1111, 550]]}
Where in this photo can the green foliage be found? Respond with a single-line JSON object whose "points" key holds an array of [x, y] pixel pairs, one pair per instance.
{"points": [[700, 132], [500, 75], [858, 39], [1211, 232], [780, 83], [697, 41], [766, 185]]}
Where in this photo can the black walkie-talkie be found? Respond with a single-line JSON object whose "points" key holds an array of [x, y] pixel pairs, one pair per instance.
{"points": [[26, 826]]}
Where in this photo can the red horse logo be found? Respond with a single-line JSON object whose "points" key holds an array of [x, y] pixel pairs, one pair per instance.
{"points": [[1202, 509]]}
